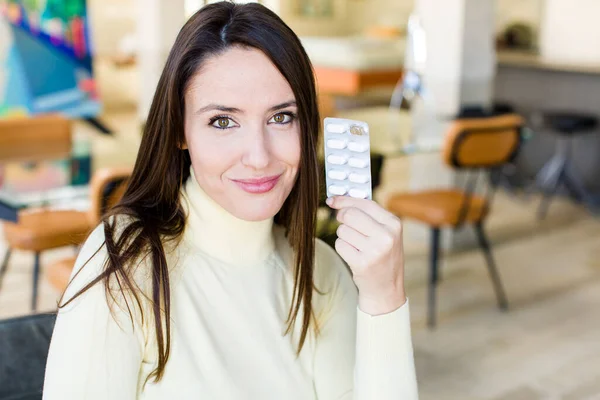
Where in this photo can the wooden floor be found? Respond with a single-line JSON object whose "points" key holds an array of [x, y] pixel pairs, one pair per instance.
{"points": [[547, 346]]}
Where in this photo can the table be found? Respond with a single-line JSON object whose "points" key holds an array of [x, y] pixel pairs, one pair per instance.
{"points": [[333, 81], [533, 84], [56, 194], [66, 198]]}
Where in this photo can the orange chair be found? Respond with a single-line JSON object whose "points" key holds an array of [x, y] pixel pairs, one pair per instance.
{"points": [[476, 145], [44, 137], [106, 189]]}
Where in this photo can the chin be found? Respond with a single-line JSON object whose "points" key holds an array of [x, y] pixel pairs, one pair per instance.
{"points": [[251, 207]]}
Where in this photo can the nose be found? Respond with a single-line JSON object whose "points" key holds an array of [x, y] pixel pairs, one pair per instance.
{"points": [[257, 154]]}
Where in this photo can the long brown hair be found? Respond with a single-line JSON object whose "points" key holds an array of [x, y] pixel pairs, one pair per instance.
{"points": [[152, 199]]}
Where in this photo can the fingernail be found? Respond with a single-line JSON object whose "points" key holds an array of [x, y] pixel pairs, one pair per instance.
{"points": [[329, 201]]}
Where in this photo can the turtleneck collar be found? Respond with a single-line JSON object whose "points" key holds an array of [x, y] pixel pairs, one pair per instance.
{"points": [[214, 231]]}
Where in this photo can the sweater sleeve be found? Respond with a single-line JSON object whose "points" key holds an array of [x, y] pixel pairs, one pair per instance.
{"points": [[359, 356], [96, 349]]}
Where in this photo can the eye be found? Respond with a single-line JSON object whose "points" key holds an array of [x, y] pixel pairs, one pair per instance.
{"points": [[282, 118], [222, 122]]}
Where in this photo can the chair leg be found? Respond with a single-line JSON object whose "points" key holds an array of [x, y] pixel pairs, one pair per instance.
{"points": [[575, 184], [549, 191], [485, 246], [4, 266], [36, 278], [433, 275], [551, 170]]}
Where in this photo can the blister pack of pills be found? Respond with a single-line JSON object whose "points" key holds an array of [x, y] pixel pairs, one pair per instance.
{"points": [[347, 158]]}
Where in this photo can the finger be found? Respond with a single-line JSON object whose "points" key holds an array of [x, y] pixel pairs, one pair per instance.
{"points": [[377, 212], [347, 252], [354, 238], [360, 221]]}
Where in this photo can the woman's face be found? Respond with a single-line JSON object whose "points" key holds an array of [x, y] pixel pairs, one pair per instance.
{"points": [[242, 133]]}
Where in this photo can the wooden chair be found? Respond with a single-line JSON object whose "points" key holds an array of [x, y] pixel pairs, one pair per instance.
{"points": [[39, 138], [106, 189], [476, 145]]}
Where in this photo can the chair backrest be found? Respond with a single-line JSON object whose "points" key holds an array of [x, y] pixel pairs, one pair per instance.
{"points": [[485, 142], [42, 137], [24, 344], [106, 189]]}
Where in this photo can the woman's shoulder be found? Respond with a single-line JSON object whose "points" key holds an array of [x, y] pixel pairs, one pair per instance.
{"points": [[94, 256], [97, 288], [118, 223], [94, 249]]}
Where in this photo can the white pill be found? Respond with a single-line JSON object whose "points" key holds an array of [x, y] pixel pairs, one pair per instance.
{"points": [[358, 162], [336, 128], [337, 160], [359, 178], [336, 144], [358, 147], [357, 193], [339, 175], [339, 190]]}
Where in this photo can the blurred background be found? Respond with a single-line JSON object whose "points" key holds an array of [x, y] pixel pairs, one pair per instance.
{"points": [[484, 129]]}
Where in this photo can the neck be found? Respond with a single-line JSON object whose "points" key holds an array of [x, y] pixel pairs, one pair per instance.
{"points": [[214, 231]]}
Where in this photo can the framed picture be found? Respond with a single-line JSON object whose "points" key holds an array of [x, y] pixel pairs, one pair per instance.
{"points": [[46, 58]]}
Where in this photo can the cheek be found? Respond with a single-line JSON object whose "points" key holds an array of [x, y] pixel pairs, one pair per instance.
{"points": [[209, 157], [288, 149]]}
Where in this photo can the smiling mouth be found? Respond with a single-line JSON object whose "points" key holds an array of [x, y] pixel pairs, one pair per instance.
{"points": [[258, 185]]}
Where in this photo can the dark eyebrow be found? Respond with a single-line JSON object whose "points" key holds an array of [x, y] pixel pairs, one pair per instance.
{"points": [[282, 105], [218, 107], [226, 109]]}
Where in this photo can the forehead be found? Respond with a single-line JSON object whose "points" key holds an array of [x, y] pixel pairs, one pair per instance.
{"points": [[239, 77]]}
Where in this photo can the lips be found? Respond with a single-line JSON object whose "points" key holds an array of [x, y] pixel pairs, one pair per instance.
{"points": [[258, 185]]}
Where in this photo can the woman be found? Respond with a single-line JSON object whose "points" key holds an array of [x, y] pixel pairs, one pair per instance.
{"points": [[206, 282]]}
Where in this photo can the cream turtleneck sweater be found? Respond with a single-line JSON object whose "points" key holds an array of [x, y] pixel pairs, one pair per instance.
{"points": [[231, 287]]}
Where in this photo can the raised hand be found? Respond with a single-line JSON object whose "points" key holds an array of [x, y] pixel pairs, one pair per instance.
{"points": [[370, 241]]}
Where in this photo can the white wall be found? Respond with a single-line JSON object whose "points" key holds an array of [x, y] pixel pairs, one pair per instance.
{"points": [[478, 53], [110, 21], [528, 11], [158, 25], [571, 34]]}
